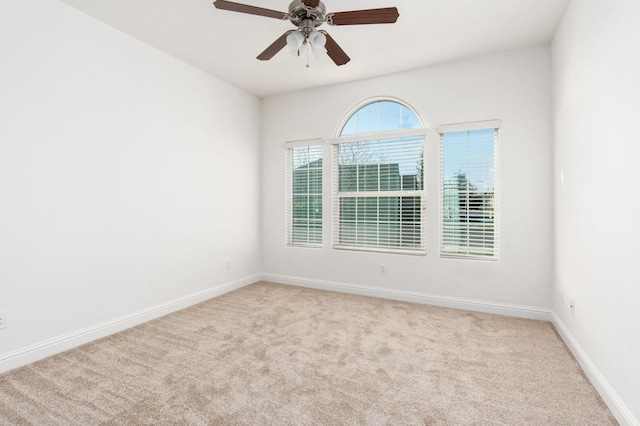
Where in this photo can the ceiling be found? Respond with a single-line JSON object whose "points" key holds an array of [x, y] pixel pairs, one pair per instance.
{"points": [[225, 44]]}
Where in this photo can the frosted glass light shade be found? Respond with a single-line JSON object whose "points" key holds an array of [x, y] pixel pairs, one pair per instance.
{"points": [[317, 39], [295, 40]]}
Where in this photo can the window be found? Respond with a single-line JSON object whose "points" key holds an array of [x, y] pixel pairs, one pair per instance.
{"points": [[379, 202], [469, 190], [304, 193]]}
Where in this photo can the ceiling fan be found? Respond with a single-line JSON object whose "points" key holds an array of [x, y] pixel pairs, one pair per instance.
{"points": [[307, 15]]}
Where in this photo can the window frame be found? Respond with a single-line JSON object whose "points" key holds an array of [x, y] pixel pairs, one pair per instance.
{"points": [[494, 125], [337, 195], [289, 193]]}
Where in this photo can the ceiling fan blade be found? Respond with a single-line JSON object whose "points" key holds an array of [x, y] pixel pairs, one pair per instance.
{"points": [[275, 47], [335, 52], [311, 3], [387, 15], [252, 10]]}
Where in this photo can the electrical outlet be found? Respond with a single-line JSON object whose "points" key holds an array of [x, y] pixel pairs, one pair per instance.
{"points": [[383, 269], [227, 265], [3, 320], [572, 306]]}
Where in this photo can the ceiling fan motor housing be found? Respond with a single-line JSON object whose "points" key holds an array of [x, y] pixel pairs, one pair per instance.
{"points": [[306, 18]]}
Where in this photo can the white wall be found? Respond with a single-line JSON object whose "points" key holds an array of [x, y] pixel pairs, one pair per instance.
{"points": [[514, 87], [596, 74], [127, 177]]}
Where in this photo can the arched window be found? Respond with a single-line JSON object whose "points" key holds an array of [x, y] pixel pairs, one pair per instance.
{"points": [[381, 116], [379, 180]]}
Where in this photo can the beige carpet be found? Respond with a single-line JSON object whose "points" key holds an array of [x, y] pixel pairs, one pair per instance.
{"points": [[269, 354]]}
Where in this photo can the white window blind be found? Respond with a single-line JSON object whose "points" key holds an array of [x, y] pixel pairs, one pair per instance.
{"points": [[304, 193], [469, 190], [379, 193]]}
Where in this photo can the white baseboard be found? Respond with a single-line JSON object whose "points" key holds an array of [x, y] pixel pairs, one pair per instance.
{"points": [[41, 350], [619, 409], [423, 298]]}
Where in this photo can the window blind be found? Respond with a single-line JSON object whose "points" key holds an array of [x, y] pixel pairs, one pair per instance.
{"points": [[304, 193], [379, 193], [469, 191]]}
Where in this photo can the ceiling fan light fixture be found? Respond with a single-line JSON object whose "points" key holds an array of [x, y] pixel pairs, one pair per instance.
{"points": [[318, 52], [317, 39], [295, 40]]}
